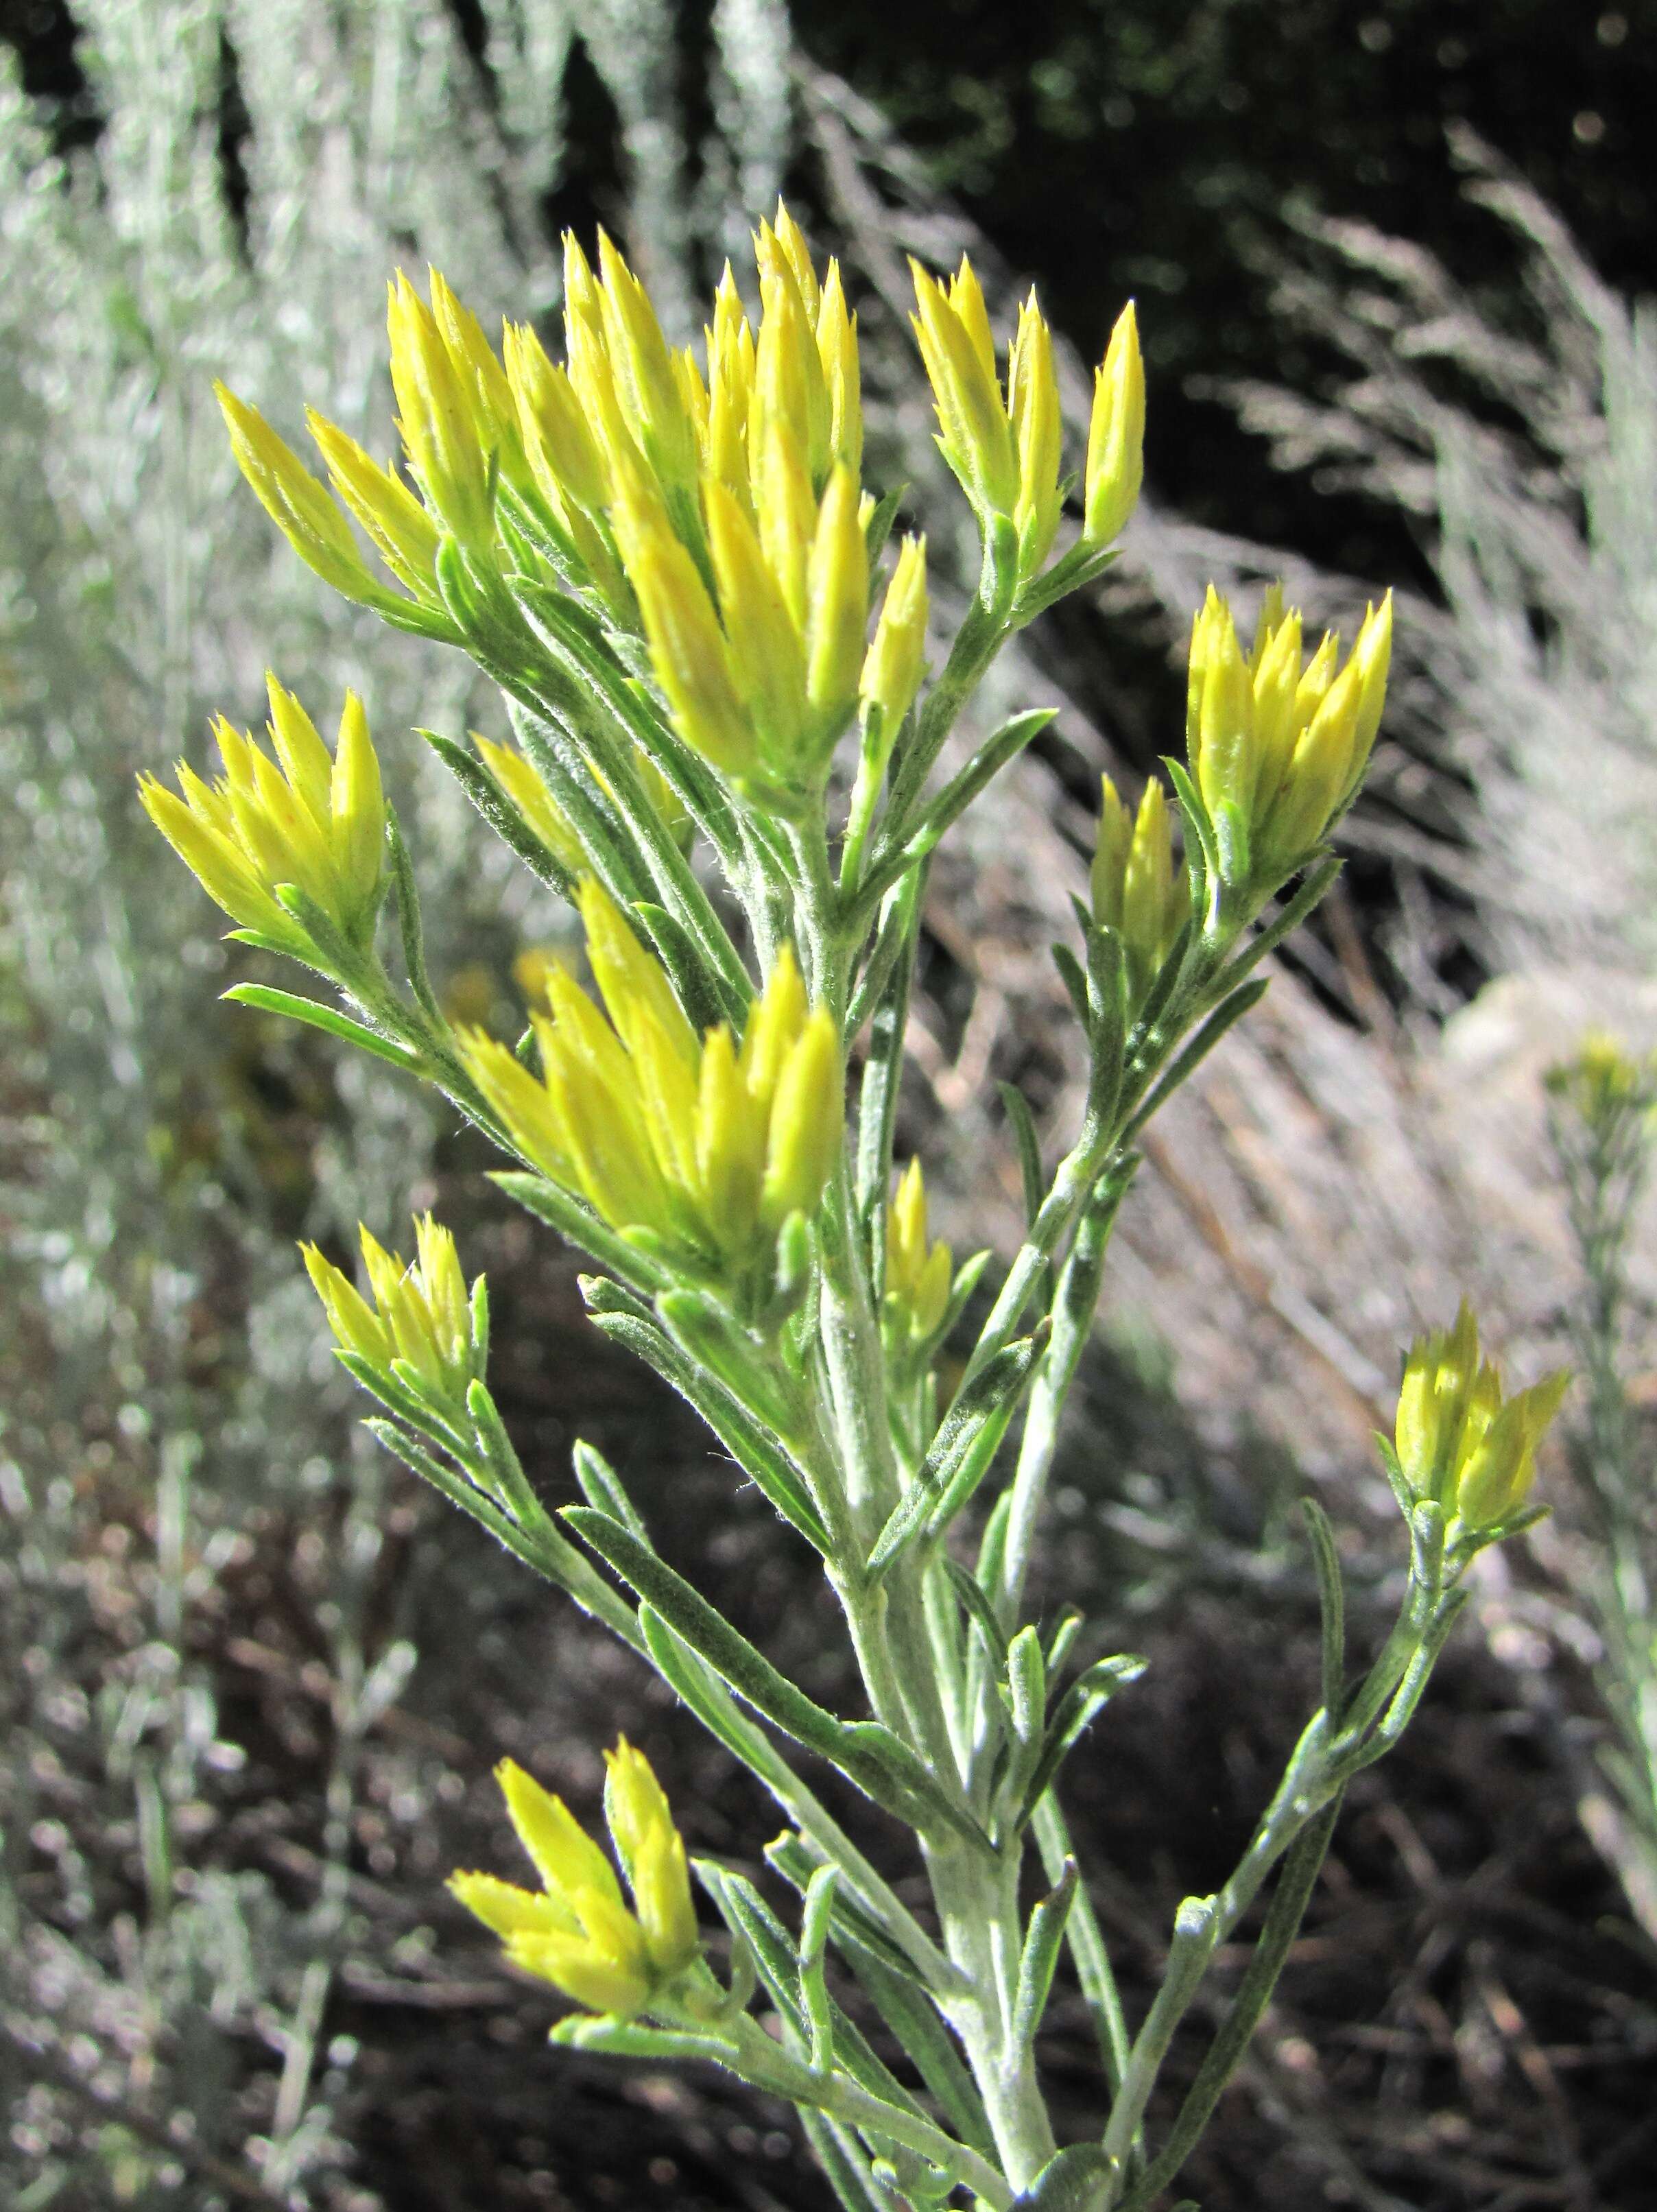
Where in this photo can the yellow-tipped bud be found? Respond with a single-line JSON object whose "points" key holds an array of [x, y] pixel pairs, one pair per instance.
{"points": [[837, 590], [444, 430], [1279, 747], [1138, 889], [896, 660], [918, 1275], [642, 364], [1116, 436], [297, 503], [1460, 1440], [1038, 434], [403, 534], [808, 1116], [837, 347], [689, 650], [521, 783], [562, 451], [771, 666], [790, 385], [579, 1933], [652, 1852], [357, 1328], [316, 823], [976, 435]]}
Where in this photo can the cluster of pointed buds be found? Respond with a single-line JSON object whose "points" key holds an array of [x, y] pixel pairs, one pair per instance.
{"points": [[307, 822], [720, 515], [705, 1145], [1006, 446], [1278, 743], [1604, 1084], [578, 1931], [1460, 1440], [1138, 888], [919, 1275], [424, 1326]]}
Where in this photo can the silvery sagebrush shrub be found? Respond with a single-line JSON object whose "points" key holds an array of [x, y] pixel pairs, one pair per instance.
{"points": [[1600, 1105], [159, 1351], [667, 562]]}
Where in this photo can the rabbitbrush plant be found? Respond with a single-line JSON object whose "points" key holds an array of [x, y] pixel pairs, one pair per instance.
{"points": [[668, 564]]}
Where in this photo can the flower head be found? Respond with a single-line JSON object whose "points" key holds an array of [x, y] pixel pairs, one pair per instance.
{"points": [[1459, 1440], [422, 1315], [577, 1931], [919, 1275], [702, 1141], [305, 818], [1278, 743]]}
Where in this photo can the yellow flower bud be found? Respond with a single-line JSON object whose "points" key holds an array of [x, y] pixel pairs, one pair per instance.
{"points": [[977, 440], [657, 1130], [771, 666], [918, 1275], [808, 1115], [403, 534], [642, 366], [481, 379], [787, 511], [422, 1314], [561, 448], [521, 783], [652, 1852], [579, 1933], [356, 1327], [790, 385], [896, 660], [297, 503], [437, 419], [1038, 433], [1116, 436], [1137, 889], [837, 347], [783, 237], [690, 652], [837, 588]]}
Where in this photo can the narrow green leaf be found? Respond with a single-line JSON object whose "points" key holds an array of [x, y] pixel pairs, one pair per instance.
{"points": [[602, 1488], [1331, 1605], [506, 820], [1086, 1697], [1224, 1017], [317, 1017], [1029, 1147], [1076, 2180], [1040, 1957], [881, 1766]]}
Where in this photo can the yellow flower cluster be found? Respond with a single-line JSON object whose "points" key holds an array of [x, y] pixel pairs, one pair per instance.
{"points": [[704, 1143], [1138, 891], [1278, 743], [422, 1315], [1459, 1440], [1006, 446], [918, 1275], [721, 513], [577, 1931], [1604, 1083], [307, 818]]}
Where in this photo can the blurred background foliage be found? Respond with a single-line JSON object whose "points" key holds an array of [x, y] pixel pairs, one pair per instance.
{"points": [[250, 1683]]}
